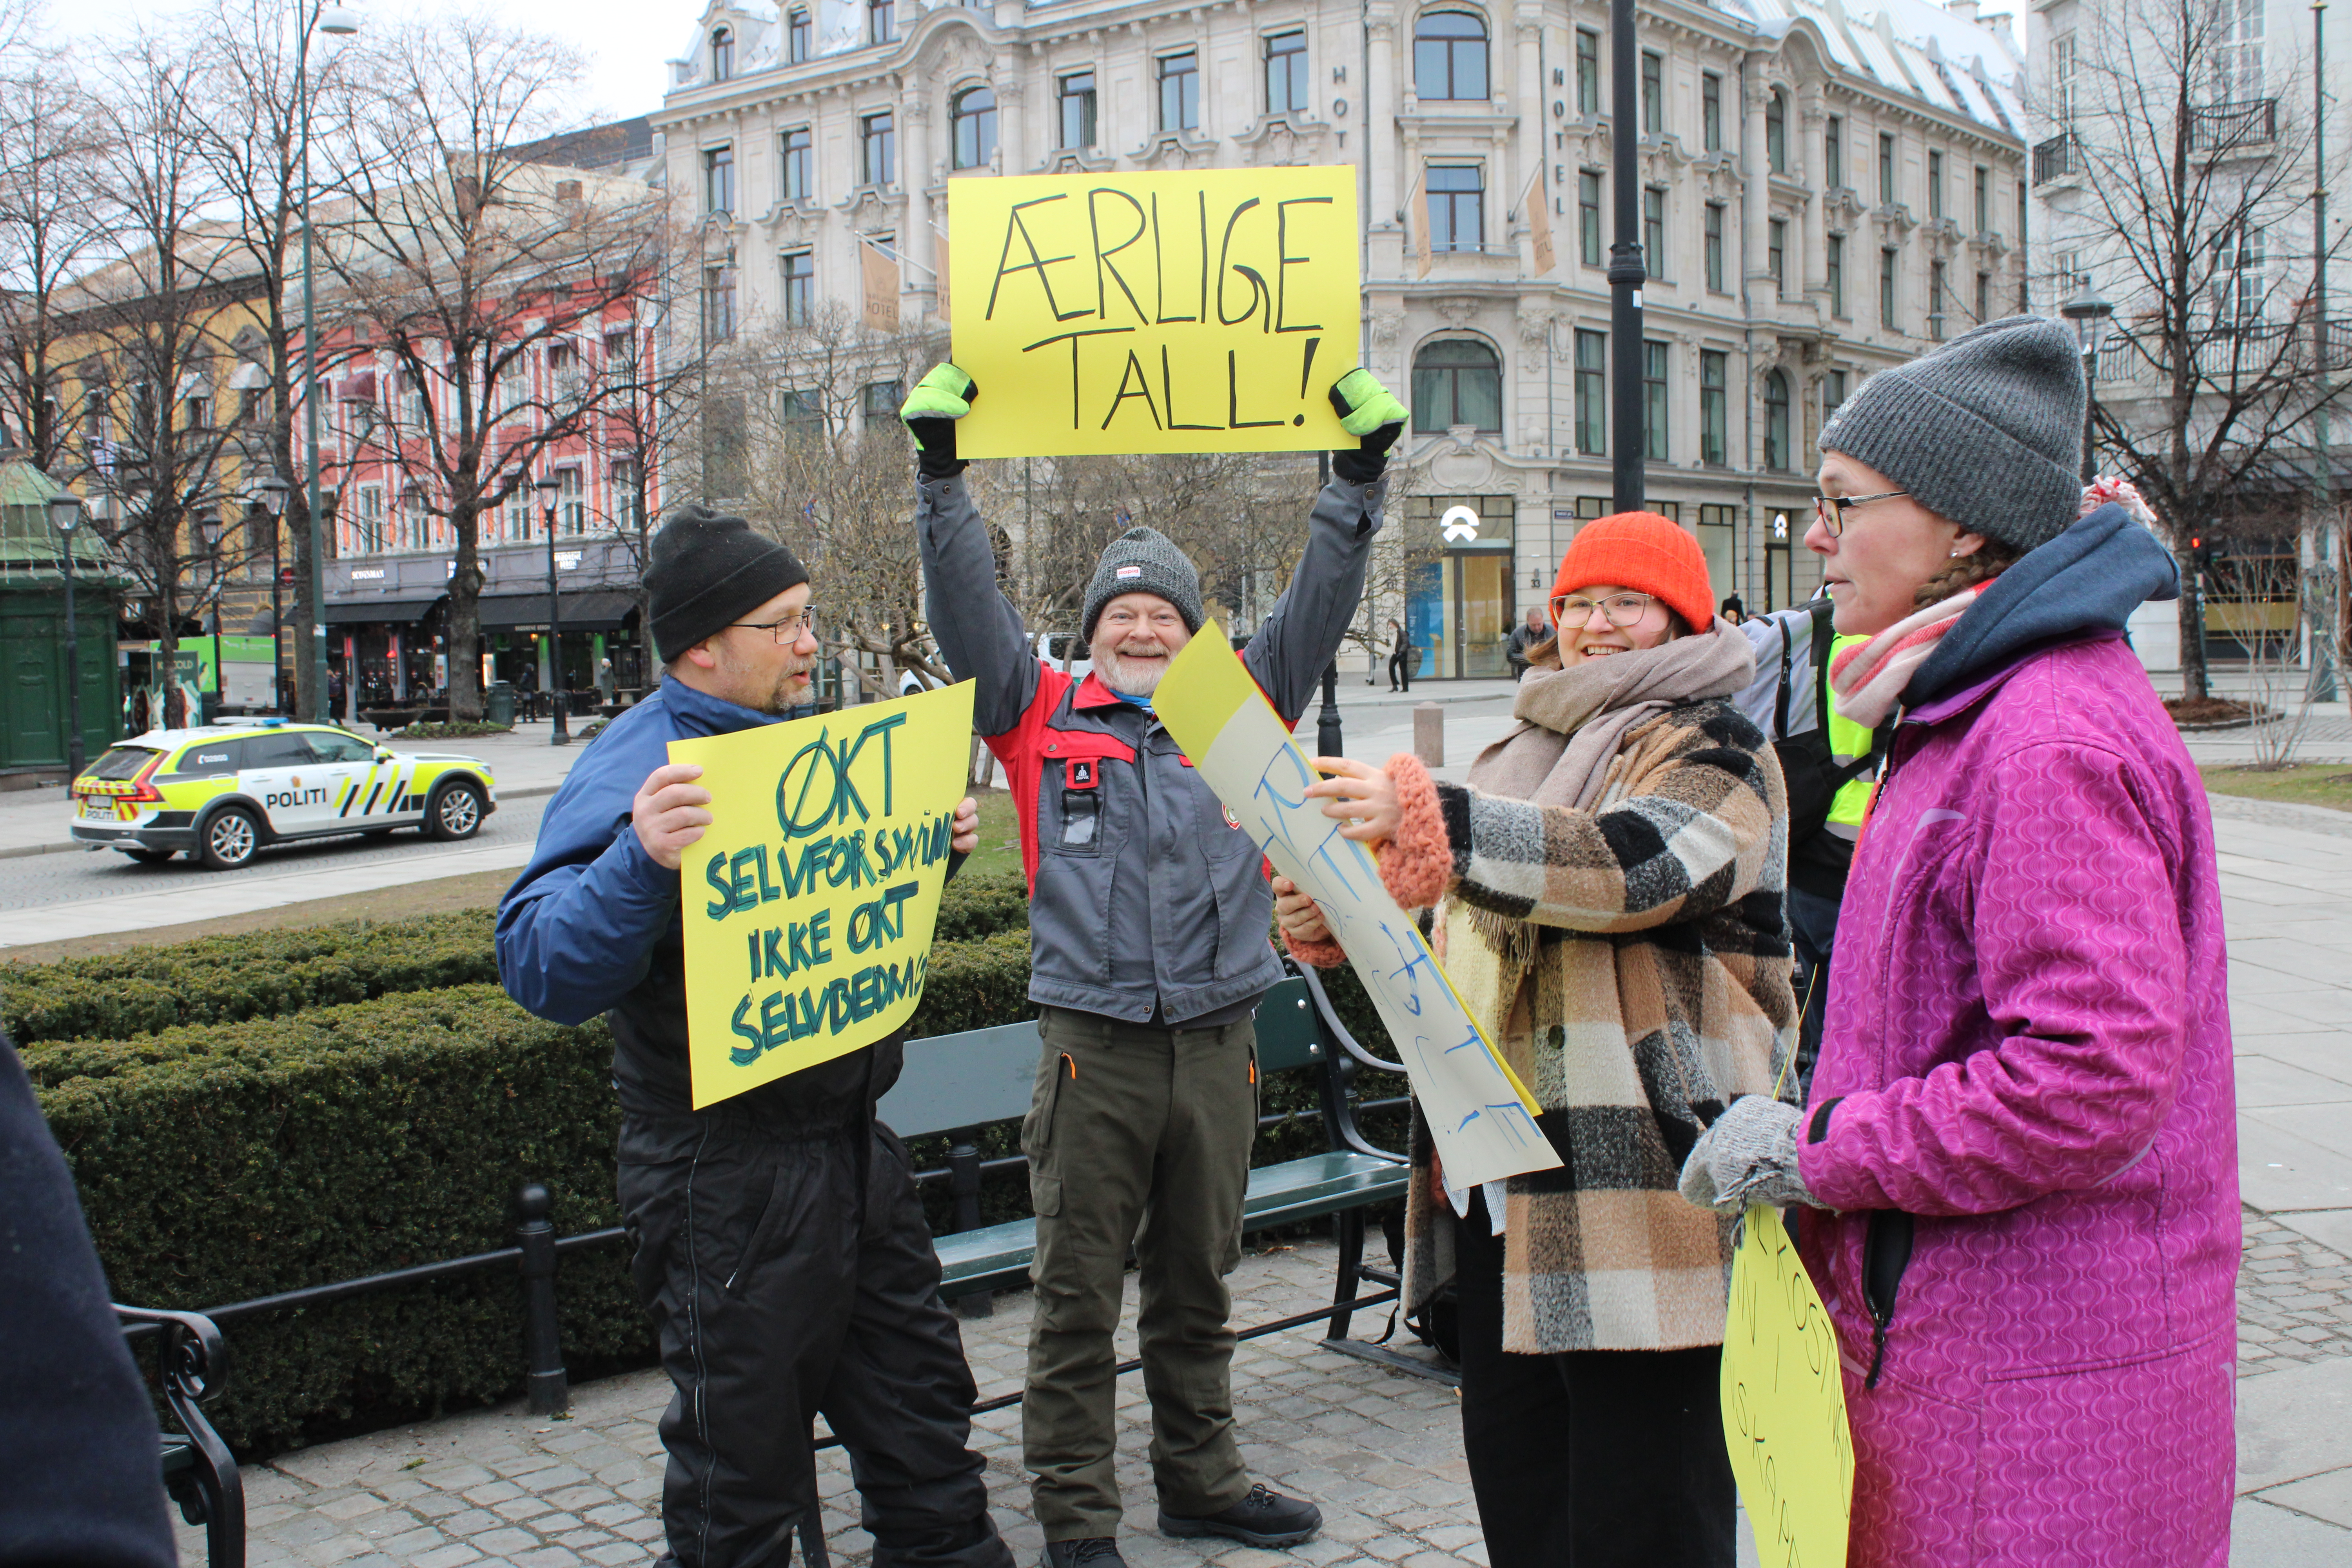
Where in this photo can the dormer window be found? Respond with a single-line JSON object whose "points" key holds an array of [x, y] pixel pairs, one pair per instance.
{"points": [[722, 53]]}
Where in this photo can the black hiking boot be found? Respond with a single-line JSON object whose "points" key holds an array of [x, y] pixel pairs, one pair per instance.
{"points": [[1264, 1518]]}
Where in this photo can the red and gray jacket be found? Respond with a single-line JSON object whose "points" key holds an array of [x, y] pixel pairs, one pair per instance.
{"points": [[1143, 892]]}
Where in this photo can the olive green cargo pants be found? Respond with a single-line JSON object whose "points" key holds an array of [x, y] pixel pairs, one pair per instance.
{"points": [[1134, 1134]]}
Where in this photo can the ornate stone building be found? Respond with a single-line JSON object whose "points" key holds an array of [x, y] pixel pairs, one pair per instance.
{"points": [[1827, 189]]}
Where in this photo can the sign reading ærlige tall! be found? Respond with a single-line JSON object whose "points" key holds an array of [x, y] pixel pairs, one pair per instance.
{"points": [[809, 904], [1203, 311]]}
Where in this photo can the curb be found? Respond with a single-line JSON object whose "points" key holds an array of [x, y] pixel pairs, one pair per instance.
{"points": [[16, 852]]}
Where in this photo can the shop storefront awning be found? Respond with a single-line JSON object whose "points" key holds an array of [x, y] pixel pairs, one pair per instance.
{"points": [[588, 612], [367, 611]]}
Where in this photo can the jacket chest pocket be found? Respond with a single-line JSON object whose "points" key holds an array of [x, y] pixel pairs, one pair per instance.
{"points": [[1075, 787]]}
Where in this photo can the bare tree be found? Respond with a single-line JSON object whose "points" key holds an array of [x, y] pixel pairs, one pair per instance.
{"points": [[487, 280], [2193, 165]]}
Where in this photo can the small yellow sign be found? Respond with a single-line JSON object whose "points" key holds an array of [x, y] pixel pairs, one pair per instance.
{"points": [[1784, 1403], [1181, 312], [810, 903]]}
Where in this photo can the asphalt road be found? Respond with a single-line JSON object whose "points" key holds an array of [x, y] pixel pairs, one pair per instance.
{"points": [[32, 881]]}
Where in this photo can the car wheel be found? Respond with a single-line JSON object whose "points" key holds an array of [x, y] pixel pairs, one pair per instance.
{"points": [[151, 857], [229, 840], [454, 812]]}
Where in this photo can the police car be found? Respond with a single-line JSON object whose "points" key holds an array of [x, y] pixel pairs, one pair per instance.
{"points": [[222, 792]]}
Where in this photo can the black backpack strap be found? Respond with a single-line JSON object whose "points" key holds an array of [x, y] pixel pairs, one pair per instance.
{"points": [[1780, 703], [1824, 642]]}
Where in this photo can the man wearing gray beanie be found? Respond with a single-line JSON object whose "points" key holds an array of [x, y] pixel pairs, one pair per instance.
{"points": [[1149, 918]]}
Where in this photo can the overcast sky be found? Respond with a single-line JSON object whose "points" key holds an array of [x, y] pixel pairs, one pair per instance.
{"points": [[626, 40]]}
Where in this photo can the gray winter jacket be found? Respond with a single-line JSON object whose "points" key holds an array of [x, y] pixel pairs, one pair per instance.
{"points": [[1144, 895]]}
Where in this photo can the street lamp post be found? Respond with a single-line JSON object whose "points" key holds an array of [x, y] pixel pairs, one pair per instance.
{"points": [[337, 21], [64, 512], [2325, 597], [209, 529], [1626, 271], [2089, 311], [549, 489], [270, 492]]}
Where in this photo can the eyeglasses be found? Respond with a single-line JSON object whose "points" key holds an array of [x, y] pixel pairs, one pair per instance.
{"points": [[1830, 511], [787, 630], [1622, 610]]}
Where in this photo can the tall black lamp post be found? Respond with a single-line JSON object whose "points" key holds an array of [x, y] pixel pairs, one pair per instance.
{"points": [[270, 492], [549, 489], [65, 513], [1626, 271], [2089, 311]]}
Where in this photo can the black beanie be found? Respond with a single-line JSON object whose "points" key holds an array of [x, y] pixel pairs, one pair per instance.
{"points": [[707, 571]]}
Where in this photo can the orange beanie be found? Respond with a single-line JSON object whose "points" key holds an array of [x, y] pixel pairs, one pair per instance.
{"points": [[1645, 553]]}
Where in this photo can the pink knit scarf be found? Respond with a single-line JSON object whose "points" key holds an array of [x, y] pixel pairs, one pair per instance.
{"points": [[1869, 679]]}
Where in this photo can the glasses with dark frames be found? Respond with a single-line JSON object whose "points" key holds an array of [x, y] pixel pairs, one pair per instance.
{"points": [[1830, 509], [787, 630]]}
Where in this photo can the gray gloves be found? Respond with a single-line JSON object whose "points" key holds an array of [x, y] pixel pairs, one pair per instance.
{"points": [[1748, 1156]]}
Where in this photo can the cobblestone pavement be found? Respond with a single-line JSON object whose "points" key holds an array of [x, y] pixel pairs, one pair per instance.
{"points": [[2295, 1298]]}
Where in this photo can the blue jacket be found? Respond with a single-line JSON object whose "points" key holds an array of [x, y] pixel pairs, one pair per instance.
{"points": [[592, 926]]}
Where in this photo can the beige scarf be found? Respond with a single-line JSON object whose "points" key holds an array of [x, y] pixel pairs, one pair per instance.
{"points": [[1574, 722]]}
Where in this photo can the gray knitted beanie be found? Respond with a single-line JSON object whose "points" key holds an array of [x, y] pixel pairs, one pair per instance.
{"points": [[1143, 561], [1986, 430]]}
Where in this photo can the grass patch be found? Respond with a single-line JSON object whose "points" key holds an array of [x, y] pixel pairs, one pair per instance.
{"points": [[1000, 836], [2302, 784]]}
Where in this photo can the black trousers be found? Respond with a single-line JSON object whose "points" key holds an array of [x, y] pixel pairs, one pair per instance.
{"points": [[793, 1276], [1588, 1459], [1400, 672], [1812, 939]]}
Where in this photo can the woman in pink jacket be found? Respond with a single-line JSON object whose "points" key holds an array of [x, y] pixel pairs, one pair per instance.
{"points": [[2019, 1152]]}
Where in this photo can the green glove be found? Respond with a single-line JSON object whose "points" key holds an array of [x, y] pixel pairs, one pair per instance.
{"points": [[931, 411], [1369, 412]]}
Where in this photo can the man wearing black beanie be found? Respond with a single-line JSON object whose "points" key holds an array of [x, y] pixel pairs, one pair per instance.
{"points": [[780, 1246]]}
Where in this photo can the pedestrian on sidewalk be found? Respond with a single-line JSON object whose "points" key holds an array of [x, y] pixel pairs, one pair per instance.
{"points": [[2018, 1162], [1149, 918], [1608, 886], [779, 1244], [1399, 659], [1527, 635]]}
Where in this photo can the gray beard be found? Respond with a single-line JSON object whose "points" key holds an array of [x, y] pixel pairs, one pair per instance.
{"points": [[1129, 677]]}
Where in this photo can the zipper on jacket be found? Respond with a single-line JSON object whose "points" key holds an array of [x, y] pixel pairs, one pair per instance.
{"points": [[1885, 1254]]}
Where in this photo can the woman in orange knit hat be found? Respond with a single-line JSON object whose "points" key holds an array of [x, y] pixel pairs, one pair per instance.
{"points": [[1608, 887]]}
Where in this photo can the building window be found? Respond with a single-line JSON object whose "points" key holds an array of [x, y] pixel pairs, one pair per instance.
{"points": [[1833, 394], [1715, 245], [1588, 217], [572, 508], [2240, 277], [1984, 297], [878, 402], [1885, 169], [796, 35], [620, 348], [1457, 200], [1714, 408], [1886, 317], [2020, 235], [1592, 392], [413, 522], [722, 53], [792, 157], [2241, 51], [878, 149], [1653, 94], [1776, 245], [1588, 73], [881, 21], [1077, 96], [1834, 150], [1456, 381], [413, 408], [628, 513], [718, 304], [718, 181], [1653, 229], [1984, 199], [1285, 74], [798, 413], [1776, 132], [1449, 56], [371, 519], [2063, 62], [1654, 401], [1833, 262], [1936, 301], [1180, 92], [1710, 111], [563, 369], [1775, 421], [800, 286], [974, 114], [1935, 185]]}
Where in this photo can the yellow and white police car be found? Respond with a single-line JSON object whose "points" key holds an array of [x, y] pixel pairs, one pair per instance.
{"points": [[222, 792]]}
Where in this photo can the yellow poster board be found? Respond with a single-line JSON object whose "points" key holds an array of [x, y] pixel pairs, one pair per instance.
{"points": [[1481, 1117], [810, 902], [1784, 1403], [1203, 311]]}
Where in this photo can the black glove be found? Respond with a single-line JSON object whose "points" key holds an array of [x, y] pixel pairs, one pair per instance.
{"points": [[931, 411], [1369, 412]]}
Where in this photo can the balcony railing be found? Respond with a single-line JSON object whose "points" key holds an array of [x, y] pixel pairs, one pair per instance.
{"points": [[2226, 351], [2055, 159], [2226, 127]]}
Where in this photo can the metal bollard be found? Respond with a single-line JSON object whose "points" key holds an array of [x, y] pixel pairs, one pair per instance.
{"points": [[542, 1342], [963, 1181], [1429, 733]]}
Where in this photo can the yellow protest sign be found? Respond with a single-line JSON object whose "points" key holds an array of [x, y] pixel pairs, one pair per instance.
{"points": [[1784, 1403], [1209, 311], [809, 904]]}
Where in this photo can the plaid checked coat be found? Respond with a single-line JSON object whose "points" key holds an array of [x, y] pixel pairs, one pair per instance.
{"points": [[1631, 962]]}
